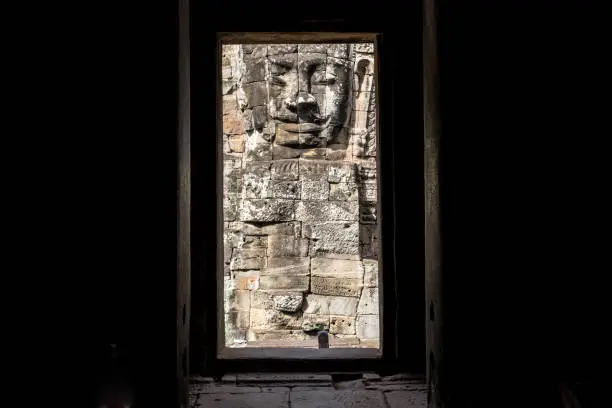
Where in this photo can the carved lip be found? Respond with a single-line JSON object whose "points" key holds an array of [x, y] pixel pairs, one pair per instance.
{"points": [[301, 127]]}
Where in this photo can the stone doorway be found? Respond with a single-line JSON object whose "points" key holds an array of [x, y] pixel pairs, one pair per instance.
{"points": [[301, 247]]}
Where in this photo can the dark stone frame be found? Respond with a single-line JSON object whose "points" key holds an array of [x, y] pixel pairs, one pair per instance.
{"points": [[204, 253]]}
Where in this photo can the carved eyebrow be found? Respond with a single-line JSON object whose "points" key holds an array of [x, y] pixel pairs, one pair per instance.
{"points": [[283, 62], [313, 59]]}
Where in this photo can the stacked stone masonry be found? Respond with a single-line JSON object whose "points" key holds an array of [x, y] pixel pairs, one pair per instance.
{"points": [[300, 195]]}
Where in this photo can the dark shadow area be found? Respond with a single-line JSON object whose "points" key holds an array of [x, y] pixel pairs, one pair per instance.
{"points": [[523, 172], [408, 330]]}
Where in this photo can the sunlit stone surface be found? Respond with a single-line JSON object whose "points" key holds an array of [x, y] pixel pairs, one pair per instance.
{"points": [[300, 195]]}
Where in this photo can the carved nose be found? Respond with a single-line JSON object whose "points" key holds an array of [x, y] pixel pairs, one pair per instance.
{"points": [[300, 99]]}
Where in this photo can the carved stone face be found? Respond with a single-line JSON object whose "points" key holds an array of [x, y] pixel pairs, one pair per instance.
{"points": [[307, 92]]}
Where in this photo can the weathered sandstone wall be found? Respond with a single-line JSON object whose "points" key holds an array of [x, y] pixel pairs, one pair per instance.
{"points": [[300, 206]]}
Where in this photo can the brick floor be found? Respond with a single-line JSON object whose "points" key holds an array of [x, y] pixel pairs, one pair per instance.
{"points": [[307, 391]]}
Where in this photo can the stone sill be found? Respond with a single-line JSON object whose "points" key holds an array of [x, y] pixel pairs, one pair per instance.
{"points": [[299, 354]]}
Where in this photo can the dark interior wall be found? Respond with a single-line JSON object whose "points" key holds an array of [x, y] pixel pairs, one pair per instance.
{"points": [[402, 142], [522, 176], [521, 257], [118, 95]]}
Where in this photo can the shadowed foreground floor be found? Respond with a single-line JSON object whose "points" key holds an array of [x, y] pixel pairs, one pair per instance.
{"points": [[307, 391]]}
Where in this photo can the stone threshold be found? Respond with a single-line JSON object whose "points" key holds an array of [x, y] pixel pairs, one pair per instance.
{"points": [[298, 353], [312, 379]]}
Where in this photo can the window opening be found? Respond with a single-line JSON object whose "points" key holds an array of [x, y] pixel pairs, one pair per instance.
{"points": [[300, 195]]}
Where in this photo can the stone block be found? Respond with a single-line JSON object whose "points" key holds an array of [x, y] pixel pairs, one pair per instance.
{"points": [[343, 340], [284, 170], [362, 104], [247, 116], [336, 268], [232, 181], [226, 68], [236, 143], [255, 50], [315, 189], [315, 322], [288, 303], [255, 187], [296, 283], [316, 170], [239, 319], [238, 227], [260, 115], [260, 169], [243, 259], [342, 324], [327, 211], [366, 171], [267, 378], [368, 327], [270, 318], [228, 86], [338, 399], [256, 93], [245, 399], [257, 148], [261, 299], [367, 214], [333, 238], [335, 286], [368, 303], [335, 305], [267, 210], [282, 49], [283, 63], [338, 50], [246, 280], [285, 138], [312, 140], [318, 153], [230, 207], [230, 104], [370, 278], [336, 152], [234, 335], [407, 399], [252, 242], [368, 234], [285, 152], [285, 228], [233, 123], [230, 241], [316, 48], [341, 172], [344, 191], [254, 71], [370, 251], [287, 246], [368, 191], [287, 266], [237, 300], [284, 189], [261, 335], [365, 47], [231, 162]]}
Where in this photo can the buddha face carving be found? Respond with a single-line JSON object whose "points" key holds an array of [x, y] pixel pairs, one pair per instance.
{"points": [[305, 91]]}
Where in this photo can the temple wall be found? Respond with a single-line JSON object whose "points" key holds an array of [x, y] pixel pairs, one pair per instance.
{"points": [[300, 209]]}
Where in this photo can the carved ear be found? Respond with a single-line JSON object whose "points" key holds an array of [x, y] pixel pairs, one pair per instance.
{"points": [[360, 71]]}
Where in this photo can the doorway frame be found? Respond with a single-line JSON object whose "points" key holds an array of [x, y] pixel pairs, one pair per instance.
{"points": [[204, 66]]}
